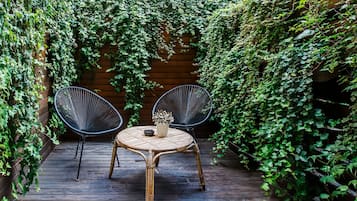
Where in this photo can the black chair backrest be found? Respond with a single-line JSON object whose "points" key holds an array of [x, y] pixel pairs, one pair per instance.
{"points": [[85, 112], [190, 105]]}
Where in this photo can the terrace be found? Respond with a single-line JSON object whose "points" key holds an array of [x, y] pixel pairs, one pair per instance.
{"points": [[280, 77], [176, 178]]}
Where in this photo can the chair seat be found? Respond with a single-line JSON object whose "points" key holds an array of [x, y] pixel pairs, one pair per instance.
{"points": [[191, 105], [85, 112]]}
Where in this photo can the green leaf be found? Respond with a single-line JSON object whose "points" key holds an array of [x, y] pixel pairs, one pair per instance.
{"points": [[324, 196], [343, 188], [327, 179], [265, 186]]}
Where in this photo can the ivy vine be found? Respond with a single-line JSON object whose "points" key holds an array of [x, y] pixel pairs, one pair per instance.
{"points": [[23, 29], [258, 60], [21, 42], [137, 31], [61, 63], [72, 34]]}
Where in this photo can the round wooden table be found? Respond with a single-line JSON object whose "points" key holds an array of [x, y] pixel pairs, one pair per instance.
{"points": [[152, 147]]}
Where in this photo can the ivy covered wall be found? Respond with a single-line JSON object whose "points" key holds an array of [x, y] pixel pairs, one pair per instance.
{"points": [[259, 59], [137, 32], [179, 69], [76, 32], [24, 57]]}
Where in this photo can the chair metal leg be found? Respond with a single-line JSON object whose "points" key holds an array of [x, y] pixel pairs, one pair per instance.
{"points": [[79, 140], [191, 131], [117, 159], [193, 134], [80, 158]]}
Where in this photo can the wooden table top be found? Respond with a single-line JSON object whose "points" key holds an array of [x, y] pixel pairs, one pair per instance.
{"points": [[134, 137]]}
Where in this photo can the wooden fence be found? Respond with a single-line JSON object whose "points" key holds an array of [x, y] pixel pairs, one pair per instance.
{"points": [[5, 182], [180, 69]]}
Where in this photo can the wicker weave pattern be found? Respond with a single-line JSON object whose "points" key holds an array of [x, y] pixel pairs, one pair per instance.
{"points": [[151, 148], [134, 138]]}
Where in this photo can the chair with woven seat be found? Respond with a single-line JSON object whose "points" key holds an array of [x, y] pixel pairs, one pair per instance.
{"points": [[86, 114], [191, 105]]}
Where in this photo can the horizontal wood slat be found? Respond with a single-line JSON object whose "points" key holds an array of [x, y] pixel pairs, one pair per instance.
{"points": [[4, 185], [180, 69], [44, 113], [5, 182], [176, 179]]}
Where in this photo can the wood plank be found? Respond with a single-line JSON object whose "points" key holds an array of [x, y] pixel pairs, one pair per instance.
{"points": [[5, 186], [176, 179], [180, 69], [160, 75]]}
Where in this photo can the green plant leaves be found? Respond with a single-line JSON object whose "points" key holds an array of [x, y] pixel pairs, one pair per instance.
{"points": [[21, 42], [137, 32], [258, 59]]}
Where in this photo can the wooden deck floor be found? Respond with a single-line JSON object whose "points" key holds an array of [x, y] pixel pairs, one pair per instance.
{"points": [[176, 180]]}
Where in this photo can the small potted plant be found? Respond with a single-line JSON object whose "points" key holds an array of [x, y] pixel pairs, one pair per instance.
{"points": [[162, 119]]}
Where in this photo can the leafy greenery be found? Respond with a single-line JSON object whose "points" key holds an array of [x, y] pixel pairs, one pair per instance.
{"points": [[21, 43], [23, 26], [72, 33], [136, 32], [61, 64], [258, 60]]}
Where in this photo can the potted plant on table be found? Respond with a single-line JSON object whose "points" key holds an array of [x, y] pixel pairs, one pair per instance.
{"points": [[162, 119]]}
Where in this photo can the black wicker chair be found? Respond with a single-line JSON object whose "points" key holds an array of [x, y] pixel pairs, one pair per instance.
{"points": [[86, 114], [191, 105]]}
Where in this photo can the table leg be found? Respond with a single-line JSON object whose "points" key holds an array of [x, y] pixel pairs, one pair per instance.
{"points": [[157, 162], [114, 153], [199, 167], [150, 173]]}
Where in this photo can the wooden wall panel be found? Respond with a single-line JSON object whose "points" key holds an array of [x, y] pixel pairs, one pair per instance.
{"points": [[180, 69], [4, 186], [44, 112], [5, 182]]}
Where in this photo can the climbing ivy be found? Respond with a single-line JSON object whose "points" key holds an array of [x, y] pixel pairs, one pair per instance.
{"points": [[335, 32], [258, 60], [136, 32], [61, 64], [71, 34], [60, 20], [21, 44], [23, 29]]}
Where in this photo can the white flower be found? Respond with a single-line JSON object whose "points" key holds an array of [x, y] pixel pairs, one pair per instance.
{"points": [[162, 116]]}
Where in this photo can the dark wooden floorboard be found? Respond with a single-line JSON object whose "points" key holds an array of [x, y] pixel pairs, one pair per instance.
{"points": [[175, 180]]}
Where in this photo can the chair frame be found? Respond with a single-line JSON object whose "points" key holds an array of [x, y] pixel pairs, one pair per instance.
{"points": [[84, 134], [188, 127]]}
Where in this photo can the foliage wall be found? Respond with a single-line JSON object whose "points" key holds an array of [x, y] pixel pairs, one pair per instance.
{"points": [[21, 43], [258, 60], [24, 27], [71, 34], [137, 31]]}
